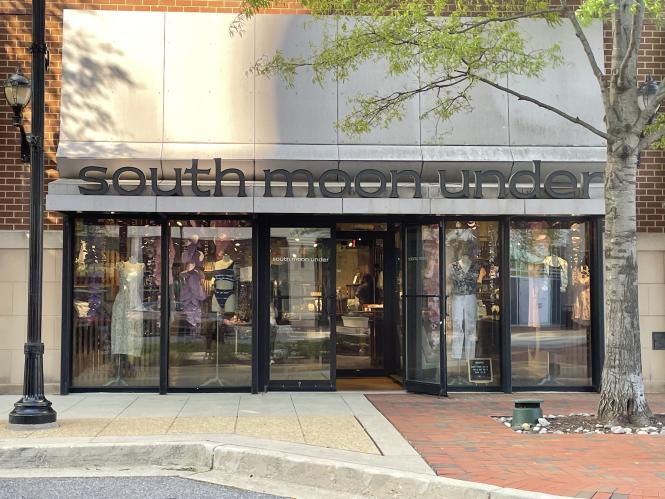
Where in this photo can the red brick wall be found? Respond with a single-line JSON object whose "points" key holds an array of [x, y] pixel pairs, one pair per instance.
{"points": [[651, 175], [15, 38]]}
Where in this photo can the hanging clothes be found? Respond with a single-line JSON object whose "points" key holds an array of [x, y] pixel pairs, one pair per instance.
{"points": [[127, 315], [192, 295]]}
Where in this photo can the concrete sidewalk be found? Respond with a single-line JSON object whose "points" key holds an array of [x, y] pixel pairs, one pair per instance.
{"points": [[299, 444]]}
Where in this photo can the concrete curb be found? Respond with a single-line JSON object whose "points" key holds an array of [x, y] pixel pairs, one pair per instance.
{"points": [[352, 479], [259, 465]]}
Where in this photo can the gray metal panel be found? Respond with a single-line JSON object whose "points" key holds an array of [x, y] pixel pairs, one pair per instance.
{"points": [[371, 79], [112, 82], [571, 86], [305, 113], [209, 92], [485, 124]]}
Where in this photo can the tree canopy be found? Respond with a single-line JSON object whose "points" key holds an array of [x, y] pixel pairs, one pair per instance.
{"points": [[460, 45]]}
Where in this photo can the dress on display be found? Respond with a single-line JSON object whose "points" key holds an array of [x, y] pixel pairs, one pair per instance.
{"points": [[545, 292], [127, 318], [464, 308], [582, 305], [192, 295]]}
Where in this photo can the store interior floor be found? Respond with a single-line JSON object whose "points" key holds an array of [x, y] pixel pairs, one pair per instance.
{"points": [[368, 383]]}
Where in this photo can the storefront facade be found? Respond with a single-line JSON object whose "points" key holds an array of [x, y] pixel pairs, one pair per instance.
{"points": [[212, 303], [243, 243]]}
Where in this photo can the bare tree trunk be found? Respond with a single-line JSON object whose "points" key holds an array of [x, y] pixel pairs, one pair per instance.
{"points": [[622, 398]]}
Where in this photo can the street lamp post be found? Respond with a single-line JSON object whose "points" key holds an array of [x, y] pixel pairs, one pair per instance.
{"points": [[33, 408]]}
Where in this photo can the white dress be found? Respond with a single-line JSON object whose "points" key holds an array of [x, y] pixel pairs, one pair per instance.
{"points": [[127, 318]]}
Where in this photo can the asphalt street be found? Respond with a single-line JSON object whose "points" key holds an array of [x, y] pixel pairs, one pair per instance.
{"points": [[119, 487]]}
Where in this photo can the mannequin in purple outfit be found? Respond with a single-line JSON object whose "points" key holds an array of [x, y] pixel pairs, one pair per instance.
{"points": [[192, 294]]}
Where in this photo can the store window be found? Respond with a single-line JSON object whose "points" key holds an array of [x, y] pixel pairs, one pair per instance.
{"points": [[116, 296], [550, 279], [300, 300], [473, 326], [210, 288]]}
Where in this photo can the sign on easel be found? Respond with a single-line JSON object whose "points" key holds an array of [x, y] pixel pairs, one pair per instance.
{"points": [[480, 370]]}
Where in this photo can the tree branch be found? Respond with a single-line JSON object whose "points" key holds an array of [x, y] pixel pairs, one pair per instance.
{"points": [[647, 140], [572, 119], [633, 44], [472, 25], [581, 36]]}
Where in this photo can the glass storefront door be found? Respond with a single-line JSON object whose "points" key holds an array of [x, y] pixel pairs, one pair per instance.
{"points": [[301, 351], [425, 350]]}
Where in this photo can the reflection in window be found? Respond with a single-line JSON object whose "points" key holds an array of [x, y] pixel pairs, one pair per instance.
{"points": [[550, 282], [473, 328], [116, 303], [210, 284], [299, 315], [423, 307]]}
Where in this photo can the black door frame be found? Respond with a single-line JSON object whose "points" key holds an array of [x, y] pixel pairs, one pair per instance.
{"points": [[264, 316], [415, 386], [388, 300]]}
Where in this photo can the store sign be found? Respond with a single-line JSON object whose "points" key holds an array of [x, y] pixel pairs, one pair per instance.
{"points": [[369, 183]]}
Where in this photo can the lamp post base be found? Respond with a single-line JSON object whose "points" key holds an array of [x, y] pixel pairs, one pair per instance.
{"points": [[32, 412]]}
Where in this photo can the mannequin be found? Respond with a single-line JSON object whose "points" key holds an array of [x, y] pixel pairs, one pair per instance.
{"points": [[465, 274], [224, 283], [127, 316]]}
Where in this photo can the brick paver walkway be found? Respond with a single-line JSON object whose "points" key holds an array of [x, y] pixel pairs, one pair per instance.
{"points": [[459, 440]]}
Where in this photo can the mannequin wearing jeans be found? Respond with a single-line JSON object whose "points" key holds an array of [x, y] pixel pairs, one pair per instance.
{"points": [[464, 274]]}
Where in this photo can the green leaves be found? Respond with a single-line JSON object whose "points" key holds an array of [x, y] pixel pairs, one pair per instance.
{"points": [[477, 37]]}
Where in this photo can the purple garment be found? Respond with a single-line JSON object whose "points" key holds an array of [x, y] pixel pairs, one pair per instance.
{"points": [[189, 253], [192, 295]]}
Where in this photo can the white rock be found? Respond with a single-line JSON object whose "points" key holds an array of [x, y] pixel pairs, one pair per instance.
{"points": [[642, 432], [585, 414], [543, 422], [651, 428], [616, 429], [507, 424], [518, 431], [662, 432], [561, 416], [526, 426], [598, 431], [544, 430], [503, 420], [558, 432], [551, 416], [628, 430], [599, 426]]}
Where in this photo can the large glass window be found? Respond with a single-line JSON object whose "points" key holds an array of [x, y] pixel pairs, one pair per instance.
{"points": [[300, 326], [550, 279], [116, 296], [473, 328], [210, 286]]}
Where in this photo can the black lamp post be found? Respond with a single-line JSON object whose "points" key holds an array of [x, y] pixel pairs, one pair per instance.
{"points": [[33, 408], [645, 91]]}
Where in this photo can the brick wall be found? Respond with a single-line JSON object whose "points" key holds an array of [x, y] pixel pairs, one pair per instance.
{"points": [[15, 40]]}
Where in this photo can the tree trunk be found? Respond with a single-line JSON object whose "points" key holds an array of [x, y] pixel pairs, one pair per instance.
{"points": [[622, 398]]}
